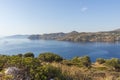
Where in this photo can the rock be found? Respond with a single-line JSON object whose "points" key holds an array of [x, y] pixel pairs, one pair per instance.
{"points": [[17, 73], [12, 71]]}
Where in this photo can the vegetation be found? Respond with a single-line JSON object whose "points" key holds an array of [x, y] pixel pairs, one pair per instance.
{"points": [[100, 60], [50, 57], [114, 63], [82, 61], [52, 66], [28, 54]]}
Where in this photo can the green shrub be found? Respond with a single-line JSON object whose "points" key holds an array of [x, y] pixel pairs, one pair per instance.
{"points": [[82, 61], [50, 57], [47, 72], [29, 54], [100, 60], [67, 62], [114, 63], [85, 60], [20, 55]]}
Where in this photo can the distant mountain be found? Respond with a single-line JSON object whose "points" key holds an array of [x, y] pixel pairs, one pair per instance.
{"points": [[117, 30], [73, 32], [51, 36], [106, 36], [18, 36]]}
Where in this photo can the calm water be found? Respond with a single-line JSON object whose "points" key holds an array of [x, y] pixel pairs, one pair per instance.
{"points": [[65, 49]]}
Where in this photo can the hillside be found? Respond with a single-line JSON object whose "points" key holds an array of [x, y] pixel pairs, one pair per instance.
{"points": [[51, 36], [108, 36], [50, 66]]}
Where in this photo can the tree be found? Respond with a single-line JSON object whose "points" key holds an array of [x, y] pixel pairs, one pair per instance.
{"points": [[29, 54], [50, 57]]}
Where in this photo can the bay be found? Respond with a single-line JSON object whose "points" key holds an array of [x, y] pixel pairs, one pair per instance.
{"points": [[68, 50]]}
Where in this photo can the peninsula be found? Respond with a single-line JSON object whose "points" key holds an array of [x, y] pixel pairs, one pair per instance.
{"points": [[74, 36]]}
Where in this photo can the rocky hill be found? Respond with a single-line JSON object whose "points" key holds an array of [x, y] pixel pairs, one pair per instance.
{"points": [[118, 30], [51, 36], [108, 36]]}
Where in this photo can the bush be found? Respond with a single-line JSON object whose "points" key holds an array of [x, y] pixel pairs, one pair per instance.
{"points": [[51, 71], [20, 55], [67, 62], [82, 61], [29, 54], [47, 72], [85, 60], [100, 60], [50, 57], [113, 63]]}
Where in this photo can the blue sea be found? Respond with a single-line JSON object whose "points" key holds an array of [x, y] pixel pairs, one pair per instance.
{"points": [[68, 50]]}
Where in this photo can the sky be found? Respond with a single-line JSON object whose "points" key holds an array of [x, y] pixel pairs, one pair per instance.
{"points": [[50, 16]]}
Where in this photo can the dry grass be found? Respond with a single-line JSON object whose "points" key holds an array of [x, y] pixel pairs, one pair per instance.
{"points": [[76, 73]]}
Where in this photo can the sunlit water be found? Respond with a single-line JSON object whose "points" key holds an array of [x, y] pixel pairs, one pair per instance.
{"points": [[65, 49]]}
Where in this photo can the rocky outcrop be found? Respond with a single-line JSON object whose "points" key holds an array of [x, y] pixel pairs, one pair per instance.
{"points": [[16, 73]]}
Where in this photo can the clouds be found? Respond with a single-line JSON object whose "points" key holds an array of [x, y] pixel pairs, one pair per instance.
{"points": [[84, 9]]}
